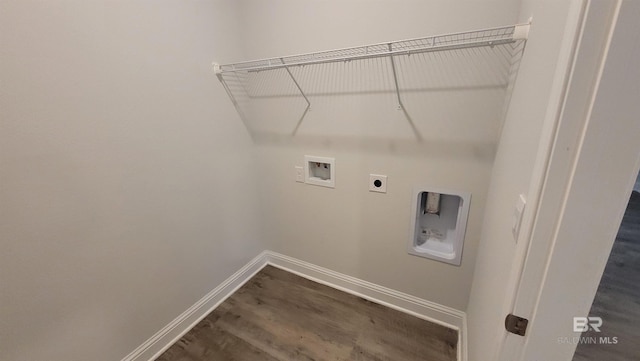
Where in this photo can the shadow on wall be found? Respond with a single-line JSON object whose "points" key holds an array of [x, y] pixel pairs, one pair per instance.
{"points": [[453, 101]]}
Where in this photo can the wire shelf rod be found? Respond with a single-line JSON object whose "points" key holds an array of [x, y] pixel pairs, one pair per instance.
{"points": [[367, 56], [469, 39], [524, 26]]}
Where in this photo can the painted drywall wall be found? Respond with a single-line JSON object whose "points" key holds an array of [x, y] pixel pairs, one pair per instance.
{"points": [[126, 184], [531, 107], [349, 229]]}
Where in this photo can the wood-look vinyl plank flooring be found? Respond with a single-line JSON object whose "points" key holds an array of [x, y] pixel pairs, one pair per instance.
{"points": [[278, 316], [617, 300]]}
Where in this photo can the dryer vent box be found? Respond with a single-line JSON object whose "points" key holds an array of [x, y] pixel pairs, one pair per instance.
{"points": [[438, 224]]}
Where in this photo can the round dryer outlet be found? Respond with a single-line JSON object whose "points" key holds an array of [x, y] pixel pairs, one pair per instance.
{"points": [[378, 183]]}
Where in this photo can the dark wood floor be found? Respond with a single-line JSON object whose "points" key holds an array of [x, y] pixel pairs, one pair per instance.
{"points": [[280, 316], [618, 298]]}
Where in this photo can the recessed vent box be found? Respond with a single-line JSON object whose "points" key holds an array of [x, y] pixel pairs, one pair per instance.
{"points": [[438, 224]]}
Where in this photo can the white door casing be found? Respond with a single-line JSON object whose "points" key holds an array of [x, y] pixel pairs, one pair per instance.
{"points": [[584, 180]]}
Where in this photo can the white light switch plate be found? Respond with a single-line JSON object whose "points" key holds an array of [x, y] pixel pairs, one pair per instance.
{"points": [[300, 174], [516, 221]]}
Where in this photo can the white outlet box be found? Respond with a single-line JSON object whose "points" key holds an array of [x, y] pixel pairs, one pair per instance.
{"points": [[320, 171], [377, 183]]}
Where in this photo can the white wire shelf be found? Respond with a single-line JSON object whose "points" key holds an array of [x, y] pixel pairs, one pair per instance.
{"points": [[477, 38], [236, 77]]}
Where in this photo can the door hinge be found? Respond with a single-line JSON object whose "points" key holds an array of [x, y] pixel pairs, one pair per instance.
{"points": [[515, 324]]}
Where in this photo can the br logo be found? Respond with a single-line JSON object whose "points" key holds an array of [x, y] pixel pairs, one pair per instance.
{"points": [[584, 324]]}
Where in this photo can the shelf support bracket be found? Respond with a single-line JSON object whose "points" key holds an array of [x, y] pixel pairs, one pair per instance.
{"points": [[400, 104], [306, 110], [218, 72]]}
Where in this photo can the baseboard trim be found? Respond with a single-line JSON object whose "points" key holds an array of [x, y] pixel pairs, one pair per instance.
{"points": [[396, 300], [427, 310], [172, 332]]}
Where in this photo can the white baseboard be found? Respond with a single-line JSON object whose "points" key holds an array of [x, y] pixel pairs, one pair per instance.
{"points": [[403, 302], [172, 332], [396, 300]]}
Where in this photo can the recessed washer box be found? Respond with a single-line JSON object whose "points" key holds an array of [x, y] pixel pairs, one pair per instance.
{"points": [[438, 224], [320, 171]]}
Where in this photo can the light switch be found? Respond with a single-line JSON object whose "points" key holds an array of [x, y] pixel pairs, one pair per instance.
{"points": [[517, 217], [299, 174]]}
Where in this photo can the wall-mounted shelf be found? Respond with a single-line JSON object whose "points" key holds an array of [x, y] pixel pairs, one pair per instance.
{"points": [[245, 81]]}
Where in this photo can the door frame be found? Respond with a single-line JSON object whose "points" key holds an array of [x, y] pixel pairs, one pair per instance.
{"points": [[591, 123]]}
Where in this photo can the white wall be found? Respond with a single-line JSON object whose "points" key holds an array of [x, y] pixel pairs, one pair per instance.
{"points": [[349, 229], [495, 270], [125, 167], [126, 183]]}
